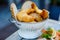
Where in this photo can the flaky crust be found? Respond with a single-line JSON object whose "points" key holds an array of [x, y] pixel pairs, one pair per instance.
{"points": [[33, 14], [24, 17]]}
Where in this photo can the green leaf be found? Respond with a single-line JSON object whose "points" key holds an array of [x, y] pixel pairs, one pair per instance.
{"points": [[58, 30], [49, 28], [46, 35]]}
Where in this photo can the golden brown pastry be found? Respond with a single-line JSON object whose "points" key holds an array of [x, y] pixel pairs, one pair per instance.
{"points": [[23, 16], [12, 12], [36, 16], [33, 5], [44, 14], [33, 14], [30, 10], [13, 9]]}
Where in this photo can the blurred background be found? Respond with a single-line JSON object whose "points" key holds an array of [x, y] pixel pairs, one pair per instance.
{"points": [[7, 28]]}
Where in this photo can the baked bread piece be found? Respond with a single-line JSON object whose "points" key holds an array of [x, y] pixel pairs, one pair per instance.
{"points": [[14, 10], [44, 14], [36, 16], [24, 17], [29, 12]]}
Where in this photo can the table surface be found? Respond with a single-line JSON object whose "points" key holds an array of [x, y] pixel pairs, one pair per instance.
{"points": [[15, 36]]}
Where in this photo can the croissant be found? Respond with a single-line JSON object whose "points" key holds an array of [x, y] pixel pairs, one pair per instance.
{"points": [[24, 17]]}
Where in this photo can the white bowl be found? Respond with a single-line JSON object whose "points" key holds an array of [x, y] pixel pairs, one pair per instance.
{"points": [[29, 30], [30, 26]]}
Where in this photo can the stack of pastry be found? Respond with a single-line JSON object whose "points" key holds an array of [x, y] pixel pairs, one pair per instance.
{"points": [[32, 14]]}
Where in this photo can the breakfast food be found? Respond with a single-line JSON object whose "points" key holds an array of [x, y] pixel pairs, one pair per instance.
{"points": [[24, 17], [26, 5], [32, 14], [13, 10], [33, 5], [37, 17], [50, 34]]}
